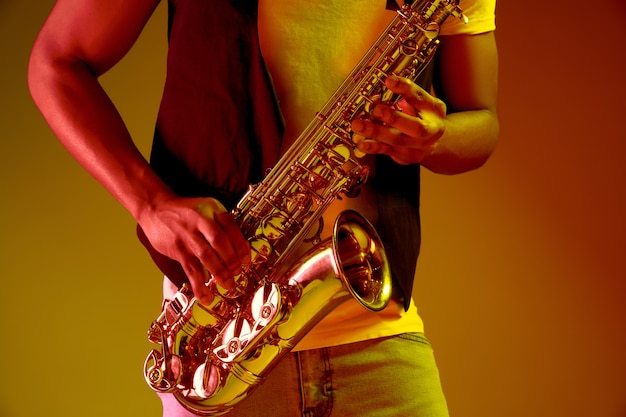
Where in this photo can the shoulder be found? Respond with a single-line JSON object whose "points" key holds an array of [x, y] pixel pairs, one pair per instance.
{"points": [[481, 16]]}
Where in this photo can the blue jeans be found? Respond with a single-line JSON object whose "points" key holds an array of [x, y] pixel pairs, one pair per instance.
{"points": [[393, 376]]}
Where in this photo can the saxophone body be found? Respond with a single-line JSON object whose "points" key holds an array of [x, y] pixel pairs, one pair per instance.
{"points": [[211, 357]]}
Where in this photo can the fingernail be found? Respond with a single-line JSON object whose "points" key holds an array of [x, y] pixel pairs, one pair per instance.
{"points": [[357, 125], [363, 146], [206, 298]]}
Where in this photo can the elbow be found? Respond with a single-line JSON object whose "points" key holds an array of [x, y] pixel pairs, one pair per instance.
{"points": [[50, 71], [35, 70], [40, 71]]}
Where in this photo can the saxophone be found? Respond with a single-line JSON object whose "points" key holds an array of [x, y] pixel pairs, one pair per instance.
{"points": [[211, 357]]}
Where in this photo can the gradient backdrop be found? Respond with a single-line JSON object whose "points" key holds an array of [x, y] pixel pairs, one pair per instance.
{"points": [[521, 280]]}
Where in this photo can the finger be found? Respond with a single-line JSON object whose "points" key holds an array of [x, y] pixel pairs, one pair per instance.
{"points": [[403, 156], [414, 95], [224, 237], [218, 253], [402, 148], [198, 278], [401, 131], [211, 258], [369, 129], [239, 242], [409, 126]]}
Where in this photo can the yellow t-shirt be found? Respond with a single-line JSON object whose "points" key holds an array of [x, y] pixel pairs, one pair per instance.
{"points": [[310, 47]]}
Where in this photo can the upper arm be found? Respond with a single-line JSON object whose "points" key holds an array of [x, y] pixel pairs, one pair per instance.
{"points": [[96, 33], [467, 72]]}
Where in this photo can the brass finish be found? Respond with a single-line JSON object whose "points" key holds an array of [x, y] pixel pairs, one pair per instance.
{"points": [[212, 356]]}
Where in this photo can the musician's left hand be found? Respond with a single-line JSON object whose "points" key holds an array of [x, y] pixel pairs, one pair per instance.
{"points": [[408, 134]]}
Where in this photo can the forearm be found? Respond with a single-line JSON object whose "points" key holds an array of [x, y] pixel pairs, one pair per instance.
{"points": [[468, 140], [87, 123]]}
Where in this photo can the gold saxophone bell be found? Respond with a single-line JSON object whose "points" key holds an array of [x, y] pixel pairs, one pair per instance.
{"points": [[362, 261], [350, 264]]}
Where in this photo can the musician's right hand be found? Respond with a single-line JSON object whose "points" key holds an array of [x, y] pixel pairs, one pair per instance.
{"points": [[202, 236]]}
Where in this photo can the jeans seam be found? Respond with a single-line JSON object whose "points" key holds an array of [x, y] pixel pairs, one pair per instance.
{"points": [[301, 381], [415, 337], [328, 384]]}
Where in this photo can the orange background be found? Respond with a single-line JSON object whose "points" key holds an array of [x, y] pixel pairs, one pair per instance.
{"points": [[521, 279]]}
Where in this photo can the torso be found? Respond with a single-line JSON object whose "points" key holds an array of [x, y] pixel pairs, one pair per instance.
{"points": [[310, 47]]}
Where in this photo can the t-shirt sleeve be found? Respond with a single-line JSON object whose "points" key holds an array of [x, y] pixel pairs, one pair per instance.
{"points": [[481, 15]]}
